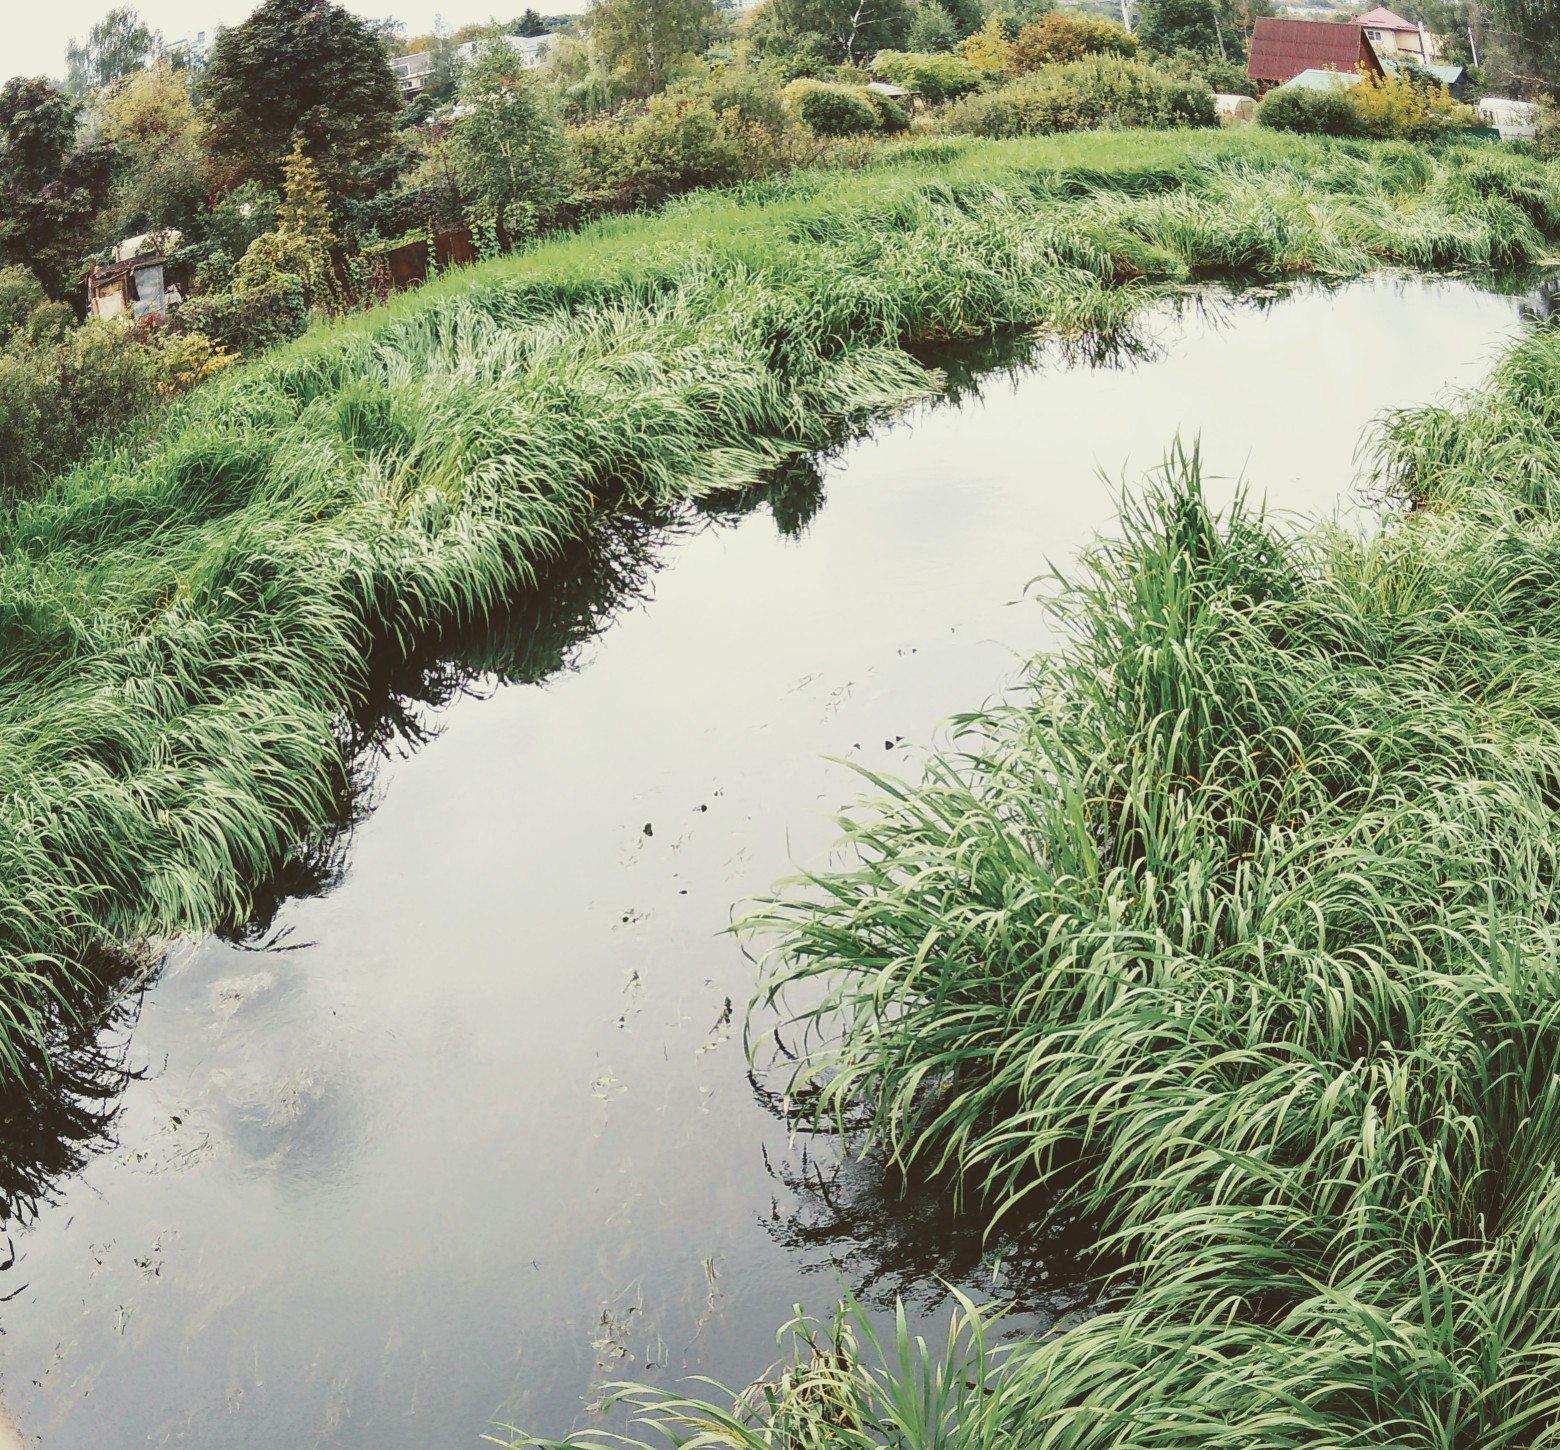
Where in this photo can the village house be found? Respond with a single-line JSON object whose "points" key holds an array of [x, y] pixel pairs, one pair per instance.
{"points": [[416, 70], [1282, 49], [1394, 38]]}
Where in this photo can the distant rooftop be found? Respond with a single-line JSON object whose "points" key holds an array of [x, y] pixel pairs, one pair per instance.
{"points": [[1383, 19]]}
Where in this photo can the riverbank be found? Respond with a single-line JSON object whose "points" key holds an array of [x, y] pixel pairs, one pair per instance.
{"points": [[186, 628], [1239, 936]]}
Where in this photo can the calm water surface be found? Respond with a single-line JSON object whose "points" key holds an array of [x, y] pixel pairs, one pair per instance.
{"points": [[470, 1133]]}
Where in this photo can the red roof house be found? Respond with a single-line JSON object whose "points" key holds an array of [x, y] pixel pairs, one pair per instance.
{"points": [[1390, 34], [1281, 49]]}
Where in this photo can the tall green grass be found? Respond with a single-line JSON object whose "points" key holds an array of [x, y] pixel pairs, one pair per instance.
{"points": [[1238, 933], [184, 628]]}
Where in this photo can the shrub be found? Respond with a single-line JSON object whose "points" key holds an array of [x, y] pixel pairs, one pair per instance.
{"points": [[21, 294], [934, 77], [1097, 91], [395, 213], [251, 320], [831, 110], [892, 117], [59, 395], [680, 143], [246, 212], [1311, 113], [737, 130], [746, 97], [1064, 36], [1229, 77], [1411, 107]]}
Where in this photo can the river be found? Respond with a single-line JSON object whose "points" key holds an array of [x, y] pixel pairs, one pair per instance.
{"points": [[465, 1129]]}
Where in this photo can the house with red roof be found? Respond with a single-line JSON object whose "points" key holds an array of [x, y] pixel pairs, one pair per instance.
{"points": [[1281, 49], [1392, 37]]}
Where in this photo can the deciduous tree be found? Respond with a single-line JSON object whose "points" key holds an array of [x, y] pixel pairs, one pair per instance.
{"points": [[150, 120], [1168, 26], [50, 191], [848, 30], [300, 66], [118, 45], [639, 39], [509, 146]]}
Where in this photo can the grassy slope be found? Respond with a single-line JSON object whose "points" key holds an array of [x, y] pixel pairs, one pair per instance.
{"points": [[1242, 933], [181, 629]]}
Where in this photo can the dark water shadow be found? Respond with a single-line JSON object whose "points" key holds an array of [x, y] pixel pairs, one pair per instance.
{"points": [[59, 1106]]}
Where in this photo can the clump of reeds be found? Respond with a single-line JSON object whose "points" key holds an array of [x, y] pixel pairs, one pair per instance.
{"points": [[1241, 932], [182, 627]]}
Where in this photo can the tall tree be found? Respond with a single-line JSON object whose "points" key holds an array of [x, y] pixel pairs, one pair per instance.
{"points": [[1519, 43], [529, 23], [150, 120], [116, 46], [300, 66], [509, 146], [50, 191], [1168, 26], [849, 30], [639, 39]]}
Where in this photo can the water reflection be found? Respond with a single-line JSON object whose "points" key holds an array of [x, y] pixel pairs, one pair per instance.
{"points": [[894, 1237], [539, 635], [59, 1103], [1543, 302]]}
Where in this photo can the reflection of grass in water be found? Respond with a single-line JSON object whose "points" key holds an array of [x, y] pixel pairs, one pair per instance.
{"points": [[1240, 936], [58, 1109], [897, 1237]]}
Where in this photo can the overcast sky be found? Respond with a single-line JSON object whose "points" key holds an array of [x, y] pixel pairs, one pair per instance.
{"points": [[35, 34]]}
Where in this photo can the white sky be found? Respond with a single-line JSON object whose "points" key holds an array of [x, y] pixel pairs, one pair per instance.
{"points": [[35, 35]]}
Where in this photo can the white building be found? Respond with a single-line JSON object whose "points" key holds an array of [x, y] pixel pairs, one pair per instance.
{"points": [[414, 71]]}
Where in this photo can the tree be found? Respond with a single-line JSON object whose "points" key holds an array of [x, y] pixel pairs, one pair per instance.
{"points": [[1450, 20], [931, 29], [1168, 26], [50, 191], [300, 66], [1060, 37], [118, 45], [639, 39], [967, 15], [530, 23], [149, 118], [1518, 43], [509, 147], [842, 30]]}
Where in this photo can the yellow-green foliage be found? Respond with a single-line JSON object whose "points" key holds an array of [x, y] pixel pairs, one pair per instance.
{"points": [[1100, 90], [932, 77], [1064, 35], [989, 48], [1409, 109]]}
